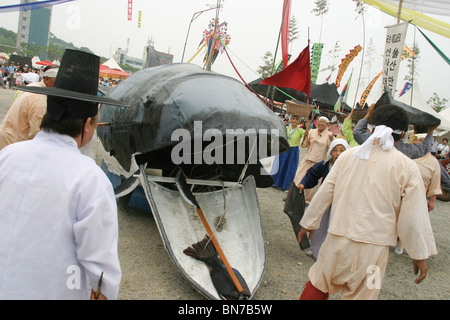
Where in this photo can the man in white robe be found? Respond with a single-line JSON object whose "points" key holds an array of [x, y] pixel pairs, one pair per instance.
{"points": [[59, 228], [377, 195]]}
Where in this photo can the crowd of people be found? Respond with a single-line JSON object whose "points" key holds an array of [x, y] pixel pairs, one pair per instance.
{"points": [[14, 74], [377, 188], [367, 190], [108, 82]]}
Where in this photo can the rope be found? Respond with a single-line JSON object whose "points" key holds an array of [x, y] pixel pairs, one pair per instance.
{"points": [[226, 51]]}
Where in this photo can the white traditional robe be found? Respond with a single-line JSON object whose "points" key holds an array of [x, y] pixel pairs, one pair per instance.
{"points": [[58, 222], [431, 174], [374, 202]]}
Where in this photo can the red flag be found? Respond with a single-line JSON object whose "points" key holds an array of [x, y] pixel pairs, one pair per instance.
{"points": [[297, 75], [130, 10], [285, 31]]}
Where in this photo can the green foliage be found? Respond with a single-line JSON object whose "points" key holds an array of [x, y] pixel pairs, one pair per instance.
{"points": [[437, 103], [321, 7], [266, 69], [55, 49]]}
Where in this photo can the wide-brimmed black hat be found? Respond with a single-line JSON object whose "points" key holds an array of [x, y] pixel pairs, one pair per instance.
{"points": [[77, 80]]}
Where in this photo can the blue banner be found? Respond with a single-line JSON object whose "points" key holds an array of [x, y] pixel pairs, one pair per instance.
{"points": [[32, 5]]}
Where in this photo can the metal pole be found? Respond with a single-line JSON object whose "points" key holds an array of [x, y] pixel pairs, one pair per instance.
{"points": [[194, 16]]}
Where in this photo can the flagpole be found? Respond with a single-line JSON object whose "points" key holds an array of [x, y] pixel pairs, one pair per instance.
{"points": [[362, 59], [307, 96], [399, 12], [211, 49], [276, 49]]}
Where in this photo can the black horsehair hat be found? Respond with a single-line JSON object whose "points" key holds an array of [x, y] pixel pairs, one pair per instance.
{"points": [[75, 92]]}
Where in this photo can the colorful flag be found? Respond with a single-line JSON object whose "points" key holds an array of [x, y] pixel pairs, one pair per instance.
{"points": [[285, 31], [343, 96], [368, 89], [315, 61], [345, 62], [407, 53], [297, 75], [130, 10], [407, 86]]}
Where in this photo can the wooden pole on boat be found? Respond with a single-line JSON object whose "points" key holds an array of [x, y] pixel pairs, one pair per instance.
{"points": [[189, 197]]}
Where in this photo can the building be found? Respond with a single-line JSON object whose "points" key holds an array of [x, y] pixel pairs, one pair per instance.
{"points": [[151, 58], [123, 58], [34, 27]]}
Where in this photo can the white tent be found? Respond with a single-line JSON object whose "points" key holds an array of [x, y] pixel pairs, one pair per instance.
{"points": [[112, 64], [445, 113], [33, 62], [420, 103]]}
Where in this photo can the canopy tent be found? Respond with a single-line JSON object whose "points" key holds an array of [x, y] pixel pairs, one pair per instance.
{"points": [[112, 64], [106, 72], [34, 62], [323, 95], [420, 103], [445, 113], [441, 7], [4, 56], [44, 63]]}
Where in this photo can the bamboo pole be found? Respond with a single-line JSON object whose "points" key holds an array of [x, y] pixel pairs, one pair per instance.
{"points": [[276, 49]]}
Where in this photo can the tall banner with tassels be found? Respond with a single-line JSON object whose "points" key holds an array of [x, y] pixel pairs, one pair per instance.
{"points": [[345, 63]]}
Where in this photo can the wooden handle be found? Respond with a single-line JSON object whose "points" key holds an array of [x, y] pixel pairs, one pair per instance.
{"points": [[219, 250]]}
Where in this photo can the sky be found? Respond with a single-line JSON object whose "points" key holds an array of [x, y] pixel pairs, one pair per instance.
{"points": [[103, 26]]}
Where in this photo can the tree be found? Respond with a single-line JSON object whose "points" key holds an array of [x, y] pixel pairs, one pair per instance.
{"points": [[320, 9], [335, 53], [370, 53], [266, 69], [293, 30], [413, 63], [437, 103]]}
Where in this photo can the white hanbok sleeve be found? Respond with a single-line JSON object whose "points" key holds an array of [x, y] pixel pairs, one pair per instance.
{"points": [[413, 225], [96, 235], [321, 201]]}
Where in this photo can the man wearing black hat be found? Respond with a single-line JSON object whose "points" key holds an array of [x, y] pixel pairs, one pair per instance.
{"points": [[59, 230]]}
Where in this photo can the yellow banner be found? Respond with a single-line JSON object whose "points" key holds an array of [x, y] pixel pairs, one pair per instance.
{"points": [[139, 19], [345, 62], [418, 19], [368, 89]]}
